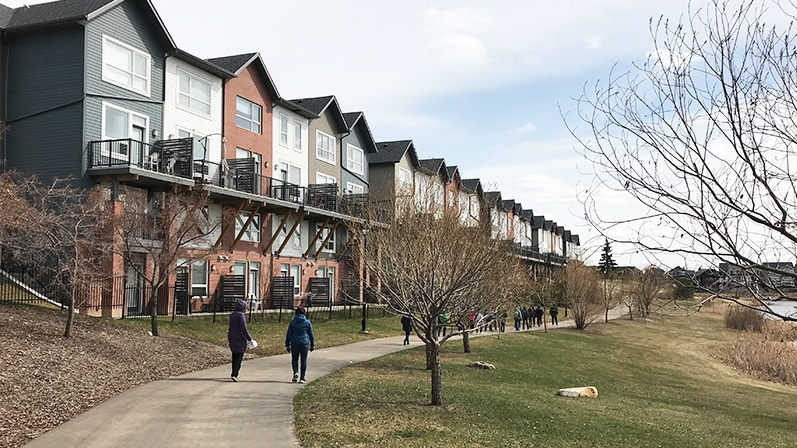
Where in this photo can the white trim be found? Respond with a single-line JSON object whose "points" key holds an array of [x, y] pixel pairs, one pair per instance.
{"points": [[351, 149], [191, 78], [120, 156], [326, 178], [352, 186], [331, 151]]}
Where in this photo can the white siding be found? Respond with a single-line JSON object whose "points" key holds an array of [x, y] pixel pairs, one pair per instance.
{"points": [[288, 154]]}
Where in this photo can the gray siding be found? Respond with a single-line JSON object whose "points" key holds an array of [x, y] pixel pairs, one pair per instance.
{"points": [[323, 124], [383, 181], [126, 24], [358, 139], [45, 92]]}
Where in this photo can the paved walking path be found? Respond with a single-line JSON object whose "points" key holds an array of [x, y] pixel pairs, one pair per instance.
{"points": [[206, 409]]}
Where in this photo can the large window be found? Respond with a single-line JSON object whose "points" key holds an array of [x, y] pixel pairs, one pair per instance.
{"points": [[297, 135], [322, 178], [252, 232], [119, 124], [325, 147], [248, 115], [283, 130], [199, 278], [124, 66], [354, 159], [354, 188], [194, 93], [405, 179], [296, 272]]}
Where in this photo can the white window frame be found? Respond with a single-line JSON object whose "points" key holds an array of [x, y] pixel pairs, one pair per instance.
{"points": [[252, 233], [194, 284], [325, 152], [108, 150], [296, 272], [190, 98], [108, 68], [354, 188], [321, 178], [352, 164], [296, 238], [283, 130], [298, 135], [250, 121], [330, 246]]}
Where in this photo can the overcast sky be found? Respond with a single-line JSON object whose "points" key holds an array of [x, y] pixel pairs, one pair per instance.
{"points": [[480, 84]]}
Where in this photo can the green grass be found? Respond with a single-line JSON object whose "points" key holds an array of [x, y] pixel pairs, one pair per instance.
{"points": [[270, 334], [659, 386]]}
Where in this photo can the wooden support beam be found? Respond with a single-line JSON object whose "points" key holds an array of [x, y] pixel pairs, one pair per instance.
{"points": [[326, 240], [317, 235], [227, 225], [246, 225], [298, 222], [277, 232]]}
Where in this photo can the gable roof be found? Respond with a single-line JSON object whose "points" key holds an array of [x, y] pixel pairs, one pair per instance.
{"points": [[528, 214], [236, 64], [539, 222], [472, 185], [393, 152], [493, 198], [509, 205], [203, 64], [73, 11], [452, 171], [352, 119], [435, 167], [320, 105]]}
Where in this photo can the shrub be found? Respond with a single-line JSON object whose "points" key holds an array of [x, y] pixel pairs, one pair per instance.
{"points": [[744, 319], [771, 356]]}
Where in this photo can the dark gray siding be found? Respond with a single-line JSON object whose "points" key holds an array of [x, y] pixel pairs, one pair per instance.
{"points": [[128, 25], [45, 92], [358, 139]]}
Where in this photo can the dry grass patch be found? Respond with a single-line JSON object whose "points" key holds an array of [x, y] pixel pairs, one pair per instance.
{"points": [[770, 354]]}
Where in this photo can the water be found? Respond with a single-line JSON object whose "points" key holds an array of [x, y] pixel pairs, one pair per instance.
{"points": [[784, 308]]}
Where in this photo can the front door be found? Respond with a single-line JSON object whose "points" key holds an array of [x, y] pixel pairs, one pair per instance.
{"points": [[135, 289]]}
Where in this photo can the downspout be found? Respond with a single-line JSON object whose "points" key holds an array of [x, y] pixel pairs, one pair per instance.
{"points": [[4, 96]]}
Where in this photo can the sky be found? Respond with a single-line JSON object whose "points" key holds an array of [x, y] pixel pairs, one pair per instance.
{"points": [[484, 85]]}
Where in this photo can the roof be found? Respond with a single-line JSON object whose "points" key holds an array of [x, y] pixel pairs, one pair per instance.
{"points": [[393, 152], [435, 167], [509, 205], [203, 64], [352, 119], [320, 105], [472, 185], [73, 11], [236, 64], [493, 198], [528, 214]]}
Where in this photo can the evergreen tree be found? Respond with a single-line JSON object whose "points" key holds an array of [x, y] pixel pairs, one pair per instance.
{"points": [[606, 262]]}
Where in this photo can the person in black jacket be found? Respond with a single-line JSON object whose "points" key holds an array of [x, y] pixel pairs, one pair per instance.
{"points": [[237, 337], [554, 312], [406, 325], [538, 312]]}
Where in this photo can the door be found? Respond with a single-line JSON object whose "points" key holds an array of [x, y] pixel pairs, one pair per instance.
{"points": [[135, 289], [254, 283]]}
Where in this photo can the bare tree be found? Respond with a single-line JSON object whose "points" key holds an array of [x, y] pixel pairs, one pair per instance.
{"points": [[702, 135], [164, 228], [582, 291], [425, 264], [648, 286], [58, 230]]}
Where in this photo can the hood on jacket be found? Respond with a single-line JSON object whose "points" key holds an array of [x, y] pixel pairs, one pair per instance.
{"points": [[240, 305]]}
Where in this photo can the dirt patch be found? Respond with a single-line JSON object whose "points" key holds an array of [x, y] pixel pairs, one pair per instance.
{"points": [[46, 379]]}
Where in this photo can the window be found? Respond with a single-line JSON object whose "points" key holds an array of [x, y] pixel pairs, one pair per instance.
{"points": [[283, 130], [322, 178], [296, 272], [199, 278], [252, 232], [119, 124], [247, 115], [405, 178], [297, 237], [325, 147], [194, 93], [354, 188], [297, 135], [439, 196], [125, 66], [452, 199], [354, 159], [324, 232]]}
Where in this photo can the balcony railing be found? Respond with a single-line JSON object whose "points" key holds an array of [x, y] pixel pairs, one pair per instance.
{"points": [[175, 158], [548, 257]]}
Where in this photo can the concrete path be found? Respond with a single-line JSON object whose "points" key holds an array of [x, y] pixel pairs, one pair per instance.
{"points": [[206, 409]]}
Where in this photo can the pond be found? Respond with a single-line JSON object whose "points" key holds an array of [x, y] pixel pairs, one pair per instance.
{"points": [[784, 308]]}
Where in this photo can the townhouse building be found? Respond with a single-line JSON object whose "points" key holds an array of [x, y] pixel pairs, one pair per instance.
{"points": [[97, 91]]}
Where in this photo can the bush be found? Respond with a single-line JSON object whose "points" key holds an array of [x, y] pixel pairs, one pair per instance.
{"points": [[744, 319], [771, 356]]}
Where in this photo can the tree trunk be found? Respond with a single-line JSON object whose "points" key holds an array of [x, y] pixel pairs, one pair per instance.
{"points": [[606, 315], [153, 309], [70, 317], [437, 379], [466, 341]]}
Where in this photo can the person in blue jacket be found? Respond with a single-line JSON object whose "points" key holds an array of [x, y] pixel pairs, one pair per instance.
{"points": [[237, 337], [298, 340]]}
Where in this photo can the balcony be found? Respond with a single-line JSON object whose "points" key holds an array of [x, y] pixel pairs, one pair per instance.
{"points": [[170, 161]]}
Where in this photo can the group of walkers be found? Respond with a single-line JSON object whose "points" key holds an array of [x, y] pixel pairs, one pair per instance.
{"points": [[299, 340], [528, 317]]}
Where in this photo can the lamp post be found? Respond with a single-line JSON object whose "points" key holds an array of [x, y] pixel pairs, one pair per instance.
{"points": [[204, 142]]}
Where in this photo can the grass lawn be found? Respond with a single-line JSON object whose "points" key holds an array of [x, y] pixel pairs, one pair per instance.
{"points": [[659, 385], [270, 334]]}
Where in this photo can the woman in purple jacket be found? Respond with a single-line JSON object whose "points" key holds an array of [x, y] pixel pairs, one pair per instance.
{"points": [[237, 337]]}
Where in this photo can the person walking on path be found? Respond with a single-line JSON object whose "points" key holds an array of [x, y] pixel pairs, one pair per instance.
{"points": [[298, 340], [238, 337], [554, 312], [538, 312], [406, 325]]}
